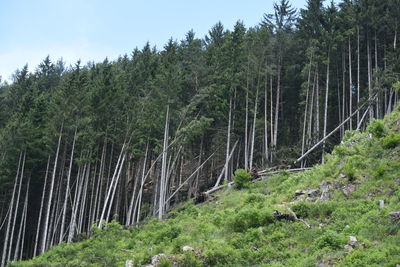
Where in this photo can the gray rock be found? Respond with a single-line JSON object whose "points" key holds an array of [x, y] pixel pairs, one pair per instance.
{"points": [[129, 263], [348, 247], [395, 215], [313, 193], [299, 192], [187, 248], [348, 189], [352, 241], [155, 260]]}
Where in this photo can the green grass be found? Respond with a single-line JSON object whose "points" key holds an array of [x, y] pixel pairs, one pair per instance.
{"points": [[238, 228]]}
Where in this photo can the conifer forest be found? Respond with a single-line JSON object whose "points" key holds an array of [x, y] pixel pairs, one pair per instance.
{"points": [[129, 139]]}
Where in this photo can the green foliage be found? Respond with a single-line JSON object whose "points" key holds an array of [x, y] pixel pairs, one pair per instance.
{"points": [[250, 218], [391, 141], [349, 170], [331, 240], [242, 178], [377, 128]]}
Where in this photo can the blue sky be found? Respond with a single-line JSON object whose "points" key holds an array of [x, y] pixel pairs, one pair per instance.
{"points": [[92, 30]]}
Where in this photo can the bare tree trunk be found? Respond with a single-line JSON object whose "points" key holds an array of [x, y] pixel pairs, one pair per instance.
{"points": [[271, 116], [22, 225], [228, 139], [115, 186], [310, 119], [130, 213], [371, 110], [67, 190], [253, 131], [266, 119], [24, 222], [278, 92], [139, 201], [326, 107], [358, 72], [316, 125], [111, 187], [16, 207], [306, 110], [46, 219], [10, 215], [350, 88], [99, 190], [163, 168], [41, 208]]}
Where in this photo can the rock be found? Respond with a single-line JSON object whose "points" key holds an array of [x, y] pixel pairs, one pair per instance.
{"points": [[313, 193], [187, 248], [381, 203], [299, 192], [155, 260], [129, 263], [309, 199], [348, 247], [348, 189], [395, 215], [352, 241]]}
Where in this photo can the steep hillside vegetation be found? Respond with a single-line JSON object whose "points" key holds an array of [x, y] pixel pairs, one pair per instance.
{"points": [[342, 213]]}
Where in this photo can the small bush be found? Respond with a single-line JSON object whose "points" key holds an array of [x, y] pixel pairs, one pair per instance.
{"points": [[377, 128], [349, 170], [242, 178], [254, 198], [391, 141], [330, 239], [302, 209], [249, 218]]}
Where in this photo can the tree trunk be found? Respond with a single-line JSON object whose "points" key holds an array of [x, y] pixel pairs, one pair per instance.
{"points": [[5, 244], [228, 139], [163, 168], [358, 72], [47, 215], [306, 110], [326, 107], [350, 88], [41, 208], [67, 190], [21, 225], [16, 206]]}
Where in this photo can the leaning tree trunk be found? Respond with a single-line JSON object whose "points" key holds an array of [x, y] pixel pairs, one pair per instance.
{"points": [[5, 244], [47, 215], [16, 206], [161, 203], [67, 190]]}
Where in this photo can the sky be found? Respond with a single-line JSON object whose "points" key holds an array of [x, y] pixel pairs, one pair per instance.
{"points": [[91, 30]]}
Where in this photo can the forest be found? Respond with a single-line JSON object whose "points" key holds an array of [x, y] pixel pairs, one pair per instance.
{"points": [[129, 139]]}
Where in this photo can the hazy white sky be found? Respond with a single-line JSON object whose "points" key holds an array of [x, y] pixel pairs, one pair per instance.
{"points": [[95, 29]]}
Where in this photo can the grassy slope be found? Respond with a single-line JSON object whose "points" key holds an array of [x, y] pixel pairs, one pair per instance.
{"points": [[237, 227]]}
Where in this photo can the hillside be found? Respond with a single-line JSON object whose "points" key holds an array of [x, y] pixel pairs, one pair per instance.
{"points": [[346, 216]]}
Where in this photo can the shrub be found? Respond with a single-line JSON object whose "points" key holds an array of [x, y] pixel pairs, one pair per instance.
{"points": [[250, 218], [302, 209], [391, 141], [242, 178], [377, 128], [349, 170], [330, 239], [254, 198]]}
